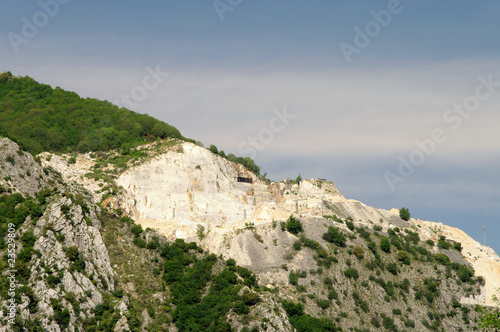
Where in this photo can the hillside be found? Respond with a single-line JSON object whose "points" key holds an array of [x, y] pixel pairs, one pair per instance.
{"points": [[349, 266], [166, 235], [41, 118]]}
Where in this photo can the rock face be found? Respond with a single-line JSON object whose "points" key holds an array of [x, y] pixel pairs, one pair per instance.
{"points": [[186, 186], [190, 185], [69, 262], [19, 170]]}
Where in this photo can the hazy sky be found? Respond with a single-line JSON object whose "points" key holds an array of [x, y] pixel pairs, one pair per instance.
{"points": [[396, 102]]}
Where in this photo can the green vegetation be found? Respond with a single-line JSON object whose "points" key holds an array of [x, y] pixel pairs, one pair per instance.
{"points": [[334, 235], [293, 225], [490, 317], [443, 244], [40, 118], [245, 161], [305, 323], [385, 245], [351, 273], [404, 214]]}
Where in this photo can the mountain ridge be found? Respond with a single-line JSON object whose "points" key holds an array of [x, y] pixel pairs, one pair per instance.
{"points": [[166, 235]]}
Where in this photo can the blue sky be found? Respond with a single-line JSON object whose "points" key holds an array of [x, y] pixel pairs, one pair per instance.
{"points": [[354, 120]]}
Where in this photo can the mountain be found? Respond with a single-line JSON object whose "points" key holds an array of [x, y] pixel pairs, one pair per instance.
{"points": [[166, 235]]}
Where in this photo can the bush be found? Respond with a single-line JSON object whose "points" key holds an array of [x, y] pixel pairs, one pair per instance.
{"points": [[334, 235], [323, 304], [403, 257], [293, 225], [10, 159], [443, 244], [430, 243], [359, 251], [392, 268], [457, 246], [136, 230], [404, 214], [442, 259], [351, 273], [293, 278], [333, 295], [297, 245], [385, 245], [350, 225], [250, 298]]}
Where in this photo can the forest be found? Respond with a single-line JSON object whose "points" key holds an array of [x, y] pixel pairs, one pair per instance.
{"points": [[40, 118]]}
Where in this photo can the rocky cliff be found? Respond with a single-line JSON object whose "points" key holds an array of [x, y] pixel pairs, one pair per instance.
{"points": [[84, 265], [60, 257], [186, 185]]}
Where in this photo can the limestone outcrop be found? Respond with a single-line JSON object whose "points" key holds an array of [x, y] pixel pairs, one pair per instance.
{"points": [[185, 186]]}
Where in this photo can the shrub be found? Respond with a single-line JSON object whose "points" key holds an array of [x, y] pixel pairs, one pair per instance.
{"points": [[28, 239], [409, 323], [139, 242], [403, 257], [11, 160], [323, 304], [241, 308], [333, 295], [442, 259], [465, 274], [457, 246], [350, 225], [351, 273], [200, 231], [334, 235], [359, 251], [293, 225], [388, 323], [136, 230], [392, 268], [293, 278], [442, 243], [404, 214], [385, 245], [250, 298], [72, 253], [430, 243]]}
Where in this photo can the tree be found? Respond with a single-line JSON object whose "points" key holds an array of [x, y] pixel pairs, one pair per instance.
{"points": [[293, 225], [334, 235], [214, 149], [385, 245], [404, 213]]}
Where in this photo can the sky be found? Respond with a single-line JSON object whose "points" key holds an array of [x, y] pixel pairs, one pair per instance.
{"points": [[396, 102]]}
